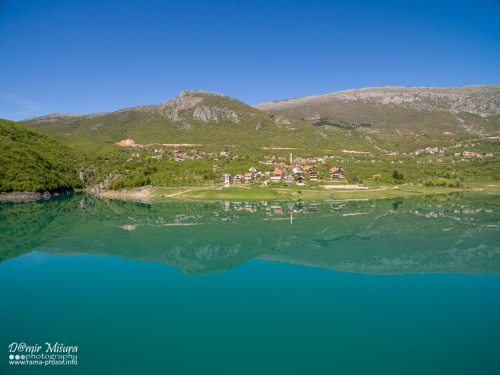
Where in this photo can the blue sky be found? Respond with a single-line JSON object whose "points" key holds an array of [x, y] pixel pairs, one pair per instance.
{"points": [[97, 56]]}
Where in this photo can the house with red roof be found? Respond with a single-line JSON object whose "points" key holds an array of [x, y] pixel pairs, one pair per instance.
{"points": [[277, 175], [335, 172]]}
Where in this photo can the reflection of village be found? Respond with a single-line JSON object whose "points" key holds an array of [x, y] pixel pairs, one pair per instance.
{"points": [[233, 211]]}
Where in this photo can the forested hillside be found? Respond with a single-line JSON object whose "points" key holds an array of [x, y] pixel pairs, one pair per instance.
{"points": [[34, 161]]}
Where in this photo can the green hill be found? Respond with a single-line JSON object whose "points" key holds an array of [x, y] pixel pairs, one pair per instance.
{"points": [[33, 161]]}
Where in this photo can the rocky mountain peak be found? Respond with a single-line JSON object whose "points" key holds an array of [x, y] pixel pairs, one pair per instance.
{"points": [[199, 93], [191, 104]]}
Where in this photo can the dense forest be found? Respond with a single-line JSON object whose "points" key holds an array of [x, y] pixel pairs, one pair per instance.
{"points": [[33, 161]]}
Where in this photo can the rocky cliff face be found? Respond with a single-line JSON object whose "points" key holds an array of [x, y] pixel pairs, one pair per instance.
{"points": [[101, 186], [175, 108], [191, 104], [215, 114]]}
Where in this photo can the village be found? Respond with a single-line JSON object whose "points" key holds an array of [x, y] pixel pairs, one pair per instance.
{"points": [[195, 165], [286, 173], [296, 169], [272, 169]]}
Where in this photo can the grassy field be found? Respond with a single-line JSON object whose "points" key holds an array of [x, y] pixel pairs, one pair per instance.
{"points": [[294, 192]]}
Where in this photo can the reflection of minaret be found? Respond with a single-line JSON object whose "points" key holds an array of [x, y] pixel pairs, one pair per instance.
{"points": [[291, 219], [291, 159]]}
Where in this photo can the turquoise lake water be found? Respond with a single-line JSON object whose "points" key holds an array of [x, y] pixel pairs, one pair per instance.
{"points": [[407, 286]]}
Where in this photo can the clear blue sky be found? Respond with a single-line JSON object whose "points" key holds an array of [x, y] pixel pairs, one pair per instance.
{"points": [[86, 56]]}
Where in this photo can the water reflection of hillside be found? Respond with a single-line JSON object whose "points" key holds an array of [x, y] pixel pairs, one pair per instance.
{"points": [[429, 234]]}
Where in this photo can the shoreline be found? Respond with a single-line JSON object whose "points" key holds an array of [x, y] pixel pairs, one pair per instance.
{"points": [[244, 193], [139, 194], [32, 196], [332, 193]]}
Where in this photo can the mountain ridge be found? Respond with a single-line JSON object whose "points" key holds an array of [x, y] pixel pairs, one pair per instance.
{"points": [[176, 103], [403, 95], [194, 117], [366, 93], [401, 111], [368, 119]]}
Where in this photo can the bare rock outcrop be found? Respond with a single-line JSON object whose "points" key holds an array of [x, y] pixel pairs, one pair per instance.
{"points": [[215, 114], [175, 108], [101, 186], [126, 142]]}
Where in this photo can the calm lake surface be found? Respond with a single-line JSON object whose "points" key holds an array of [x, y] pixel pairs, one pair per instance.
{"points": [[402, 286]]}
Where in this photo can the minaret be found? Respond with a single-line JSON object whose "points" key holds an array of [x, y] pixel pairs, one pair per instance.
{"points": [[291, 159]]}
